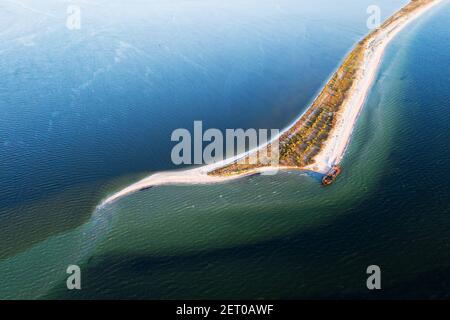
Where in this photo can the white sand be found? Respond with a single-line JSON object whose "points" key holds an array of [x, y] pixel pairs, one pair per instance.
{"points": [[333, 150], [335, 146], [187, 177]]}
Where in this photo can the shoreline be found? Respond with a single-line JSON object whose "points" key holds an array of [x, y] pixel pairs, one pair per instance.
{"points": [[333, 149]]}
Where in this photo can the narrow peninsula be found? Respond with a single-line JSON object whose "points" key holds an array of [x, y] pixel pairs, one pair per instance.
{"points": [[318, 139]]}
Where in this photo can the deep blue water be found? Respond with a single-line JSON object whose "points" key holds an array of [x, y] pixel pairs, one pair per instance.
{"points": [[84, 113]]}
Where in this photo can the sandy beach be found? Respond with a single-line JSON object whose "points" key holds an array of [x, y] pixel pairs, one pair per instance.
{"points": [[335, 146], [334, 149]]}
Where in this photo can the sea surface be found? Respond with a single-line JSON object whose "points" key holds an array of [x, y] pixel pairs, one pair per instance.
{"points": [[84, 113]]}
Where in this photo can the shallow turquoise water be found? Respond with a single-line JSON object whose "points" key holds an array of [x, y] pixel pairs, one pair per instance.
{"points": [[262, 237]]}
